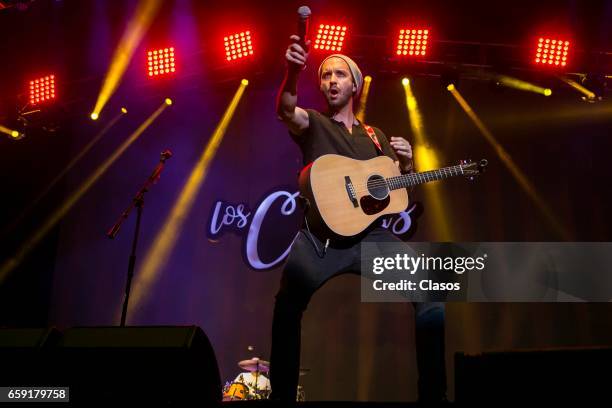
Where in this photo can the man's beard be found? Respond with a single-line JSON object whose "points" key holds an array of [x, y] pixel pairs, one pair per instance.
{"points": [[338, 103]]}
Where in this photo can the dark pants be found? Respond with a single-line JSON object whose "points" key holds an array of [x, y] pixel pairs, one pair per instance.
{"points": [[306, 270]]}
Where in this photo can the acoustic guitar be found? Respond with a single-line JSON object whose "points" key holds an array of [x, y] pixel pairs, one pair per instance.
{"points": [[347, 195]]}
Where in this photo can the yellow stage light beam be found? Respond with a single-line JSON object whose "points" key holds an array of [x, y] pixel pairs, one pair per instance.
{"points": [[416, 122], [61, 174], [521, 85], [363, 99], [578, 87], [516, 172], [11, 132], [161, 249], [133, 34], [565, 114], [427, 159], [9, 265]]}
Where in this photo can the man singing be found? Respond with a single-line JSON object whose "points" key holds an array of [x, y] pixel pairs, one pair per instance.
{"points": [[312, 260]]}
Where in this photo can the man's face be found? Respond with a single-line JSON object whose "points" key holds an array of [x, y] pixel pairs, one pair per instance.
{"points": [[337, 82]]}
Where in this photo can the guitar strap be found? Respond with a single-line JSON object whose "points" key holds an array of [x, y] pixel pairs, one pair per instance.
{"points": [[372, 135]]}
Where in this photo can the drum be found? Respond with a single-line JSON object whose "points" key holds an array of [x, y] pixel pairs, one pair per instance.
{"points": [[263, 385], [235, 391]]}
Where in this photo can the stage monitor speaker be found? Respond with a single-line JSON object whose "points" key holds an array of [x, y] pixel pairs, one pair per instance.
{"points": [[23, 354], [555, 375], [150, 364], [154, 364]]}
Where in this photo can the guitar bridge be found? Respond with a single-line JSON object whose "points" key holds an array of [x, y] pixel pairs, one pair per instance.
{"points": [[350, 190]]}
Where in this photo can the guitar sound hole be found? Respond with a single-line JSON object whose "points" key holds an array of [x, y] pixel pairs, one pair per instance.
{"points": [[377, 187]]}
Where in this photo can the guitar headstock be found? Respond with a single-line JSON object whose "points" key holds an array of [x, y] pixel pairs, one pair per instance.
{"points": [[472, 169]]}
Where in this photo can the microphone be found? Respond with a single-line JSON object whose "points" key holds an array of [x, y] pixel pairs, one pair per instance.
{"points": [[165, 155], [303, 20], [138, 199]]}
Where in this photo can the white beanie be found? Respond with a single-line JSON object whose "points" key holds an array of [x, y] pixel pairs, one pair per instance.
{"points": [[355, 71]]}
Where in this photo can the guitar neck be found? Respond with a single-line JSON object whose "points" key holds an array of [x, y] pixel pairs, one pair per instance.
{"points": [[412, 179]]}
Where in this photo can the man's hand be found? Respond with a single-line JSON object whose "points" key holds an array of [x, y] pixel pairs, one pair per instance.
{"points": [[404, 152], [296, 56]]}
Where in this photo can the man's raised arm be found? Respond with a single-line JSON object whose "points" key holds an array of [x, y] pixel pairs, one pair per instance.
{"points": [[293, 116]]}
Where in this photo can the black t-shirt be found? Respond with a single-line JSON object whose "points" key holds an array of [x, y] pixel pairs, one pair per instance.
{"points": [[325, 135]]}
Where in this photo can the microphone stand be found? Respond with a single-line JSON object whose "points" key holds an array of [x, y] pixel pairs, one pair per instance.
{"points": [[256, 376], [138, 202]]}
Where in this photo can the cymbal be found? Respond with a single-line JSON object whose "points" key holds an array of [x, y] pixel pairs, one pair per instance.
{"points": [[255, 365]]}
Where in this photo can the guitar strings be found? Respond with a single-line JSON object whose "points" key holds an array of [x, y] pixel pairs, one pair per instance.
{"points": [[359, 188]]}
